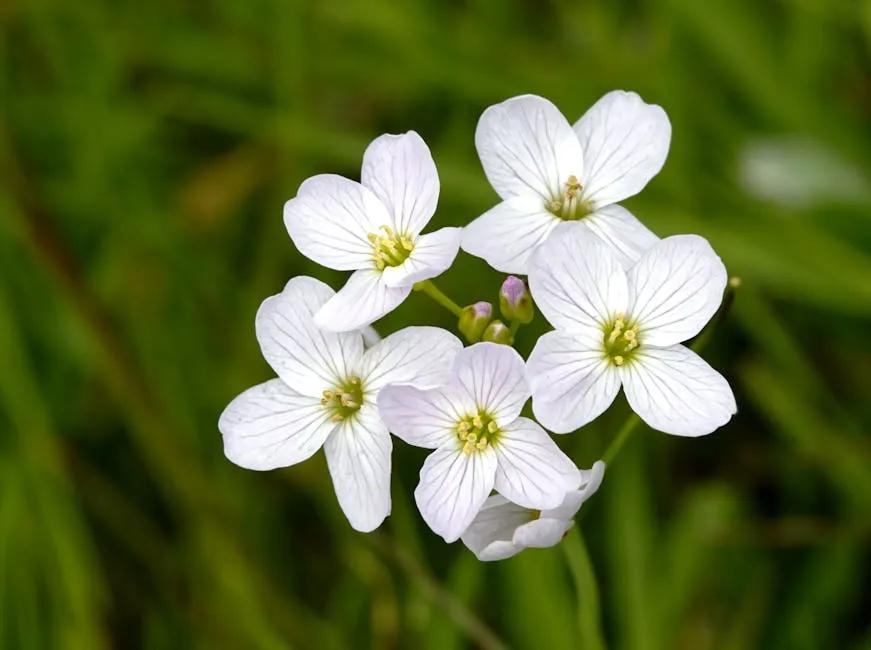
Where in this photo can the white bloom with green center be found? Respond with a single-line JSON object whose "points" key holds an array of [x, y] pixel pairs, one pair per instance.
{"points": [[473, 422], [503, 528], [374, 229], [548, 172], [325, 396], [615, 328]]}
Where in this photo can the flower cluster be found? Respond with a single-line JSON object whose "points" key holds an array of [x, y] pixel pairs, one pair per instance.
{"points": [[621, 302]]}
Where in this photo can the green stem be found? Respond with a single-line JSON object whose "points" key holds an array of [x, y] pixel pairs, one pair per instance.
{"points": [[620, 439], [515, 325], [427, 287], [581, 568]]}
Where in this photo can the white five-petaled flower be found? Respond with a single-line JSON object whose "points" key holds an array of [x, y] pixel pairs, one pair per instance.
{"points": [[547, 172], [325, 395], [615, 328], [473, 422], [373, 228], [503, 529]]}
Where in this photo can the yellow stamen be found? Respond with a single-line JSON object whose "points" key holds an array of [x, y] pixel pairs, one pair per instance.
{"points": [[618, 360]]}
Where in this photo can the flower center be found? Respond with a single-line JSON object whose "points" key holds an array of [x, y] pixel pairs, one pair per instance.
{"points": [[390, 249], [344, 399], [476, 432], [569, 206], [621, 341]]}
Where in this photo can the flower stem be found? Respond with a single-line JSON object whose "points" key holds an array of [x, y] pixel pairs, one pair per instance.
{"points": [[427, 287], [589, 617], [515, 325]]}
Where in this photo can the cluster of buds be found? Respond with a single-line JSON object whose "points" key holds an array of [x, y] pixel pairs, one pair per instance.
{"points": [[477, 322], [391, 249]]}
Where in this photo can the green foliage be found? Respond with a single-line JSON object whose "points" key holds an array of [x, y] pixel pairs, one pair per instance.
{"points": [[145, 153]]}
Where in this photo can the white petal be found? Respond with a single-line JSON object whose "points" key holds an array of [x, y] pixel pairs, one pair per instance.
{"points": [[453, 487], [493, 376], [364, 299], [490, 535], [572, 383], [422, 356], [527, 146], [675, 289], [358, 456], [533, 472], [542, 533], [433, 254], [306, 358], [329, 220], [270, 426], [507, 235], [591, 479], [399, 169], [627, 237], [575, 279], [674, 390], [625, 143], [423, 418]]}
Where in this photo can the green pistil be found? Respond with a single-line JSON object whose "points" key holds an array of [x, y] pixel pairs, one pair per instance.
{"points": [[390, 249], [477, 432], [345, 399], [620, 341], [569, 206]]}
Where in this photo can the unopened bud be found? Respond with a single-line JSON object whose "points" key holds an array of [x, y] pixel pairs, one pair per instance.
{"points": [[515, 303], [498, 332], [474, 320]]}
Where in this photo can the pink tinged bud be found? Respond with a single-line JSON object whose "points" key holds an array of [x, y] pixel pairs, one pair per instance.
{"points": [[515, 303], [474, 320], [498, 332]]}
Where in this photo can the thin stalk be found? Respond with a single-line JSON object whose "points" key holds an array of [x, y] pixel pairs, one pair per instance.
{"points": [[589, 611], [427, 287], [515, 326]]}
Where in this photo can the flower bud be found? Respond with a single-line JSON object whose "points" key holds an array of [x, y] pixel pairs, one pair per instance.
{"points": [[515, 303], [498, 332], [474, 320]]}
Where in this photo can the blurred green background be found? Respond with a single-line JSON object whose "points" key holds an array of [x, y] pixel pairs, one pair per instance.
{"points": [[146, 149]]}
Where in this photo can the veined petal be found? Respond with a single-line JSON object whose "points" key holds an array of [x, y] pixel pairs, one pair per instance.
{"points": [[433, 254], [675, 288], [542, 533], [674, 390], [400, 171], [364, 299], [330, 218], [453, 487], [358, 456], [490, 536], [422, 356], [576, 281], [572, 381], [306, 358], [423, 418], [527, 146], [507, 235], [271, 425], [591, 479], [625, 143], [625, 235], [493, 376], [532, 472]]}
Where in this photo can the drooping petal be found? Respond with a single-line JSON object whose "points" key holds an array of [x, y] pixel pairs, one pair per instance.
{"points": [[364, 299], [675, 288], [271, 425], [625, 143], [626, 236], [330, 218], [591, 479], [433, 254], [542, 533], [533, 472], [400, 171], [493, 376], [423, 418], [307, 359], [490, 536], [674, 390], [453, 487], [572, 382], [507, 235], [527, 146], [358, 456], [422, 356], [576, 281]]}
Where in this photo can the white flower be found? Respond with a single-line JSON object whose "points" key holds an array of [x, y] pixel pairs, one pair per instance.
{"points": [[503, 529], [373, 228], [616, 327], [473, 423], [325, 396], [548, 172]]}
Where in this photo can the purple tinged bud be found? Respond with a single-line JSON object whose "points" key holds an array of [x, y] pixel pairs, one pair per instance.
{"points": [[498, 332], [474, 320], [515, 303]]}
